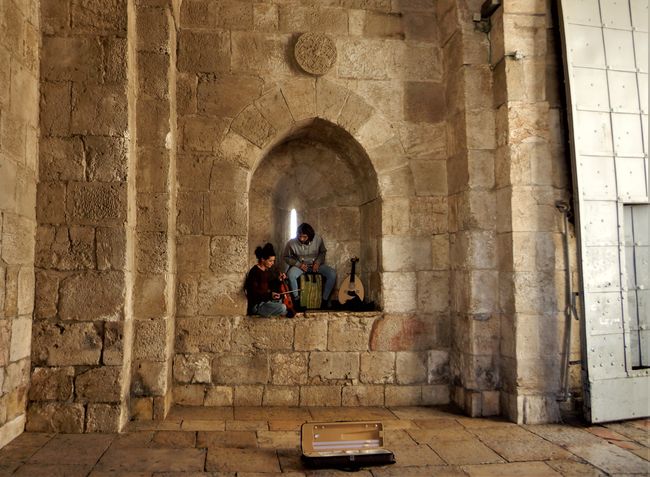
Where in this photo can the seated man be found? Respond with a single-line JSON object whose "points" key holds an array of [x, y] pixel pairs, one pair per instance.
{"points": [[306, 253], [262, 284]]}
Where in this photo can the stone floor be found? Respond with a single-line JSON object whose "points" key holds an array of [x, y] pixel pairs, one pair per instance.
{"points": [[248, 442]]}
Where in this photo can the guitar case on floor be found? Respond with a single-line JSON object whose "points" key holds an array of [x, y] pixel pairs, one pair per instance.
{"points": [[344, 445]]}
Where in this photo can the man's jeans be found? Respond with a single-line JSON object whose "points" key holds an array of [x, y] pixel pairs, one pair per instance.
{"points": [[269, 308], [328, 272]]}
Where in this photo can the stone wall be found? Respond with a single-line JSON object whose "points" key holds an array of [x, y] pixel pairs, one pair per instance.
{"points": [[19, 72], [532, 174], [320, 359], [82, 318]]}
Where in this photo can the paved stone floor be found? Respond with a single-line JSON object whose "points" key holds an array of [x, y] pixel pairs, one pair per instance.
{"points": [[249, 442]]}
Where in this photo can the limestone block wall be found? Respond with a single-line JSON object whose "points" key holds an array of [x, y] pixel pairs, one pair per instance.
{"points": [[531, 175], [155, 203], [242, 99], [322, 359], [19, 86], [82, 330], [475, 314]]}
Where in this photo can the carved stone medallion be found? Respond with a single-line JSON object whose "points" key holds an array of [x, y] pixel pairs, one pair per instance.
{"points": [[315, 53]]}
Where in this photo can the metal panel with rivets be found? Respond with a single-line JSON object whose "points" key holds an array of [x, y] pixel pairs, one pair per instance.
{"points": [[605, 46]]}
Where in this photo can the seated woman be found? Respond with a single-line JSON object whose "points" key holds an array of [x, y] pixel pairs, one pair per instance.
{"points": [[262, 283]]}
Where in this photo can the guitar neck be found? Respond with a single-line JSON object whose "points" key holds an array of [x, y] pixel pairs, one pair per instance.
{"points": [[353, 274]]}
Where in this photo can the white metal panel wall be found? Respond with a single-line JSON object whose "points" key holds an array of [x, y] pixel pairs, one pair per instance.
{"points": [[606, 59]]}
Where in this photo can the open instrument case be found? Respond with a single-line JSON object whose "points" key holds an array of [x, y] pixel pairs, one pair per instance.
{"points": [[344, 445]]}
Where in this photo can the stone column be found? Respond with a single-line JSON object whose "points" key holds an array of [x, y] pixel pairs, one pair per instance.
{"points": [[155, 147], [472, 211], [82, 317], [531, 176], [19, 70]]}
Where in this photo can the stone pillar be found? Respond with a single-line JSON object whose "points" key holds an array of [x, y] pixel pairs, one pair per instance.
{"points": [[19, 70], [82, 318], [531, 176], [472, 211], [153, 297]]}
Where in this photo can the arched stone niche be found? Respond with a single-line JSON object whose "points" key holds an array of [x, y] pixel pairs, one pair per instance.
{"points": [[324, 174]]}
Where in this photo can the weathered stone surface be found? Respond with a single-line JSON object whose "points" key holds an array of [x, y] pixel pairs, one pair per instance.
{"points": [[97, 296], [192, 253], [259, 53], [403, 395], [328, 366], [353, 334], [203, 334], [150, 378], [377, 367], [113, 350], [410, 367], [437, 366], [71, 59], [225, 214], [55, 417], [262, 334], [203, 52], [65, 248], [111, 248], [65, 344], [99, 384], [311, 335], [189, 394], [96, 203], [402, 332], [221, 295], [103, 418], [17, 239], [240, 369], [228, 254], [273, 107], [248, 395], [252, 125], [289, 368], [362, 396], [219, 396], [106, 158], [21, 334], [226, 96], [150, 339], [150, 296], [320, 395], [193, 368], [281, 396]]}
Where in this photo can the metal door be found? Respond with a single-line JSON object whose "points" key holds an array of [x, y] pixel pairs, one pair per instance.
{"points": [[606, 62]]}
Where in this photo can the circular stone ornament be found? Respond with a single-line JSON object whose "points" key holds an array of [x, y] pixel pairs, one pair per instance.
{"points": [[315, 53]]}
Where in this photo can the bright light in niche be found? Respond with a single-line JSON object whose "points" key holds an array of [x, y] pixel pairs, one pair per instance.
{"points": [[293, 223]]}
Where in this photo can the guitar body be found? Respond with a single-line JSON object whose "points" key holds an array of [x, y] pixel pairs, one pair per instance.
{"points": [[347, 292], [351, 286]]}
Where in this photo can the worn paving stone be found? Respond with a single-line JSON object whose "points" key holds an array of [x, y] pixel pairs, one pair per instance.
{"points": [[420, 413], [526, 449], [465, 452], [152, 460], [420, 455], [242, 460], [415, 471], [239, 439], [529, 469], [53, 470], [398, 438], [610, 458], [268, 414], [278, 439], [88, 449], [350, 414], [572, 467], [174, 439]]}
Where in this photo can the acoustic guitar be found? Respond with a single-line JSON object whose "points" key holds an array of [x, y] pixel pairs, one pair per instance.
{"points": [[351, 286]]}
